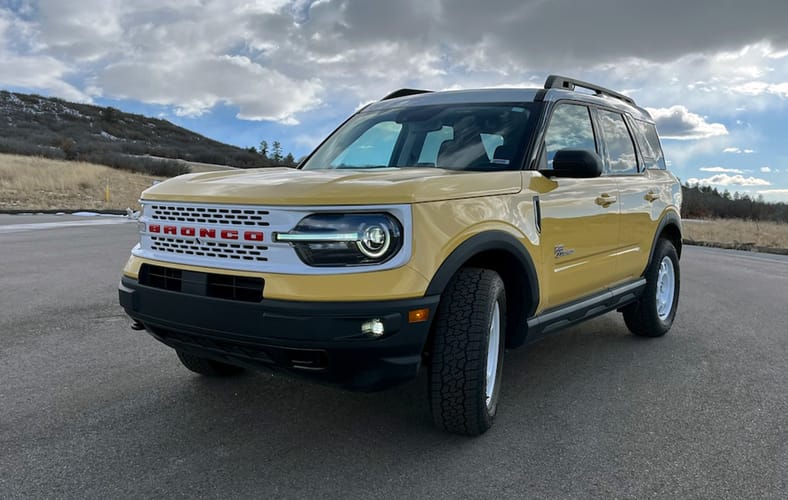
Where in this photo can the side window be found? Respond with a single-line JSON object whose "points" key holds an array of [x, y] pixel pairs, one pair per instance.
{"points": [[491, 143], [620, 150], [373, 148], [570, 127], [434, 139], [432, 143], [648, 140]]}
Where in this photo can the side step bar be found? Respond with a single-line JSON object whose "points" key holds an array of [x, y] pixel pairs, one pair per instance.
{"points": [[575, 312]]}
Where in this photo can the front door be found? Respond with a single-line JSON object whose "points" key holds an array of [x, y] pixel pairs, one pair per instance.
{"points": [[580, 224]]}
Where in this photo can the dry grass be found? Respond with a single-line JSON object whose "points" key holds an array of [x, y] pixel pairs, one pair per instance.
{"points": [[738, 232], [32, 183]]}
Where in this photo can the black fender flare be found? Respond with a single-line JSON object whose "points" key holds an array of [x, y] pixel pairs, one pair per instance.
{"points": [[482, 242], [669, 219]]}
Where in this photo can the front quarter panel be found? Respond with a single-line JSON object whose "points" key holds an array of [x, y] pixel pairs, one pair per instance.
{"points": [[441, 227]]}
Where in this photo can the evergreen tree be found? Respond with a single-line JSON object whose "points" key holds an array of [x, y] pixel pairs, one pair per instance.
{"points": [[277, 152]]}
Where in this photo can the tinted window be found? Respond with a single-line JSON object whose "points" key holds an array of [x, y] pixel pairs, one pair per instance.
{"points": [[619, 149], [458, 137], [570, 127], [649, 145]]}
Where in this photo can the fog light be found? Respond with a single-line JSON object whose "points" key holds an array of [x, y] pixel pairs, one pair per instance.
{"points": [[373, 328]]}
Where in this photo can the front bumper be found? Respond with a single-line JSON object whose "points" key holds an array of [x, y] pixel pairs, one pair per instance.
{"points": [[321, 340]]}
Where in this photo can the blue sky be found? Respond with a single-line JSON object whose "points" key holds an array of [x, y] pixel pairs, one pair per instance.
{"points": [[713, 74]]}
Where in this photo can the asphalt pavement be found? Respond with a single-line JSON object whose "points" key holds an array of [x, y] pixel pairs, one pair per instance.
{"points": [[91, 409]]}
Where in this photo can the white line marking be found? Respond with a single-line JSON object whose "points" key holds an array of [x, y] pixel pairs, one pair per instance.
{"points": [[18, 228]]}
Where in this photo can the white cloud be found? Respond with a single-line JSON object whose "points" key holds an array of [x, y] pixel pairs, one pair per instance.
{"points": [[755, 88], [729, 180], [721, 169], [356, 50], [195, 86], [775, 195], [39, 72], [315, 61], [765, 170], [677, 122]]}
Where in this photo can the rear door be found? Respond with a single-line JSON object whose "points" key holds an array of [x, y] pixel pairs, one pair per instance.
{"points": [[645, 194], [580, 226]]}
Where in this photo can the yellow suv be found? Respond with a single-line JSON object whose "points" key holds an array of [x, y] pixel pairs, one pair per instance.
{"points": [[430, 229]]}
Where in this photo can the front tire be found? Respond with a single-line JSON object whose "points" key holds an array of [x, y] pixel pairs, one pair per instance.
{"points": [[467, 352], [208, 367], [652, 315]]}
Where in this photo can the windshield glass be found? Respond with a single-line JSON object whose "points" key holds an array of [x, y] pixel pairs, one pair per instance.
{"points": [[458, 137]]}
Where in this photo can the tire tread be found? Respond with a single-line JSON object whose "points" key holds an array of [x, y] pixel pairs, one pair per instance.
{"points": [[459, 350]]}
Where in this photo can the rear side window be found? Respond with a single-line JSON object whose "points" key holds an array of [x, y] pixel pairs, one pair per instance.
{"points": [[570, 127], [619, 148], [648, 140]]}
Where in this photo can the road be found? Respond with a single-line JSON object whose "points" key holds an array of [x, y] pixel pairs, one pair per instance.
{"points": [[91, 409]]}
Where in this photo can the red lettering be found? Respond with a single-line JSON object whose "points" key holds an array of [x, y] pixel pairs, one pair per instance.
{"points": [[188, 231], [173, 230], [253, 236], [207, 233], [154, 228], [229, 234]]}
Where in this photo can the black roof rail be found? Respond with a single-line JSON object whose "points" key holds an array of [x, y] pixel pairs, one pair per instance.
{"points": [[404, 92], [567, 83]]}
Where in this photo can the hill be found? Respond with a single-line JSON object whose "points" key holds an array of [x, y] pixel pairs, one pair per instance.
{"points": [[58, 129]]}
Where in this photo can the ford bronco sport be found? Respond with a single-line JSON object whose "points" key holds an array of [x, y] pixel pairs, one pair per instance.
{"points": [[430, 229]]}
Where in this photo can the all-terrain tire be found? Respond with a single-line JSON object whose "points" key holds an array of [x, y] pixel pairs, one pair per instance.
{"points": [[652, 315], [208, 367], [469, 330]]}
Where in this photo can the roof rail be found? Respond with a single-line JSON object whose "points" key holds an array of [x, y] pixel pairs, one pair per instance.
{"points": [[404, 92], [564, 82]]}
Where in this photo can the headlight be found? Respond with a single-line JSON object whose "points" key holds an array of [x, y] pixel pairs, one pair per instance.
{"points": [[345, 239]]}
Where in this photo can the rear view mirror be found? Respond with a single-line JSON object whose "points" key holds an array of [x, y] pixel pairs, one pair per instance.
{"points": [[579, 163]]}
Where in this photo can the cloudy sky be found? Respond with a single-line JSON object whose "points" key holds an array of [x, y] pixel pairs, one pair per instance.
{"points": [[714, 74]]}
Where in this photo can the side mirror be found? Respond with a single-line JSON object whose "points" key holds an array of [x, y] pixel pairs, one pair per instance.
{"points": [[579, 163]]}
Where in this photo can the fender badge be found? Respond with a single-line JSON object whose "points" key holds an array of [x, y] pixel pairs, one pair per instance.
{"points": [[560, 251]]}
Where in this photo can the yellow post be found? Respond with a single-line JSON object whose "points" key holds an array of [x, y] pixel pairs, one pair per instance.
{"points": [[106, 193]]}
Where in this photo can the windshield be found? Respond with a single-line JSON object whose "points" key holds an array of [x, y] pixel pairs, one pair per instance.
{"points": [[458, 137]]}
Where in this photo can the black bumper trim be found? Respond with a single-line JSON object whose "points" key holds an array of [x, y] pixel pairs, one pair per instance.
{"points": [[317, 339]]}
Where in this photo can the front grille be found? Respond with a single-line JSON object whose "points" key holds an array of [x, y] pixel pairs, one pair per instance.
{"points": [[209, 215], [220, 286], [218, 249]]}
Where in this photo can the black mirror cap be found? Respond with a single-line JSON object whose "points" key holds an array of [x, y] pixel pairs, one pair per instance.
{"points": [[580, 163]]}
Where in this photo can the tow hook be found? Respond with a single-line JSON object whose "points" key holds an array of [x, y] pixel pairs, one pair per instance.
{"points": [[137, 326]]}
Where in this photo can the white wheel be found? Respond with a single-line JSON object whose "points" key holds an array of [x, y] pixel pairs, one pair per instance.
{"points": [[493, 344], [666, 288]]}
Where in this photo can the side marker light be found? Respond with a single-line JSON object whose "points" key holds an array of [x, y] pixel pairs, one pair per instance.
{"points": [[418, 315]]}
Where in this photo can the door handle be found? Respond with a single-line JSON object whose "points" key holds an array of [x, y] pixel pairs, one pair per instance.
{"points": [[605, 200], [650, 197]]}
